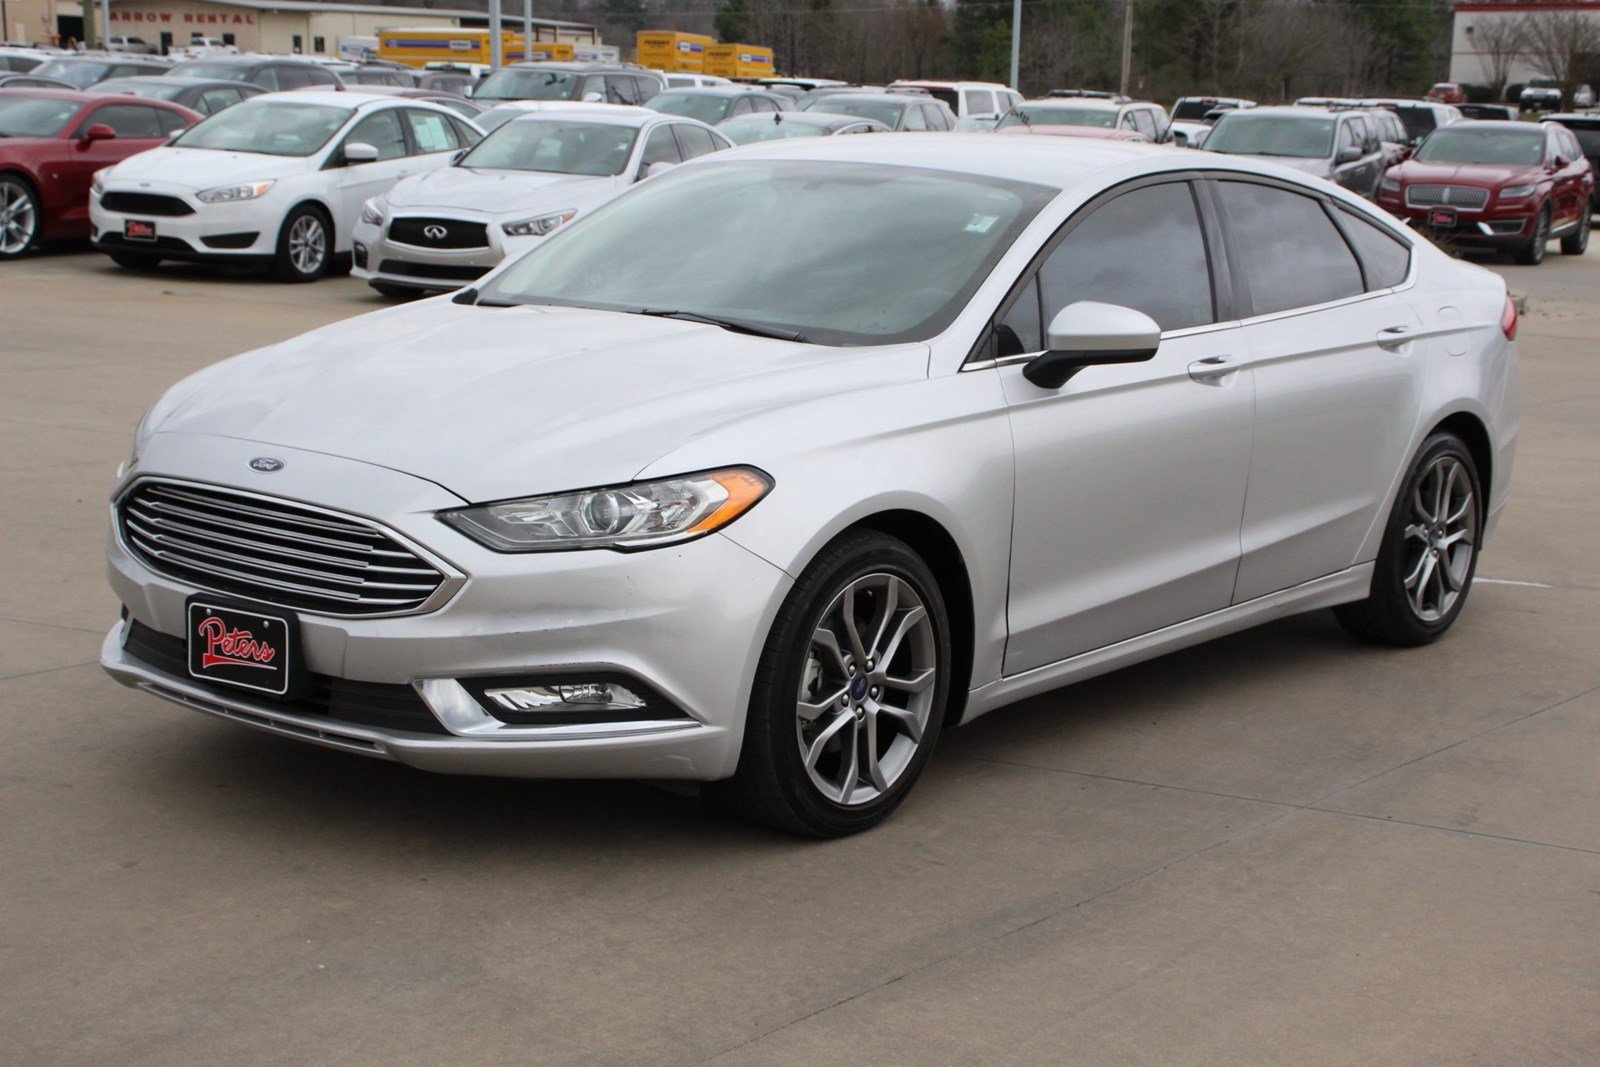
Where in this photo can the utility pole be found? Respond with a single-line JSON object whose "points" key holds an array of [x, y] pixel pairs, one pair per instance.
{"points": [[105, 23], [496, 42], [1127, 43], [1016, 40], [527, 30]]}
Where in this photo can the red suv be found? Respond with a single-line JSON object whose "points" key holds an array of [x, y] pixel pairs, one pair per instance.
{"points": [[1504, 185], [1448, 93]]}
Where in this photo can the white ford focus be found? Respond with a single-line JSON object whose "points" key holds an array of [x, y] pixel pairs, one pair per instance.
{"points": [[999, 416], [276, 181]]}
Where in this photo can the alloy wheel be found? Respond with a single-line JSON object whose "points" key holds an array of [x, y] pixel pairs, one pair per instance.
{"points": [[866, 689], [18, 219], [1440, 539], [308, 244]]}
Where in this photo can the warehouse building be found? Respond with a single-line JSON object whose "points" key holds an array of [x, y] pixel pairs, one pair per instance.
{"points": [[283, 26]]}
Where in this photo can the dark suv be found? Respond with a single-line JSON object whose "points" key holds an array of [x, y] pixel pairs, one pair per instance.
{"points": [[1586, 128], [270, 72], [609, 83]]}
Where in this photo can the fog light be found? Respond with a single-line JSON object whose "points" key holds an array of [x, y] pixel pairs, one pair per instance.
{"points": [[359, 253], [584, 696]]}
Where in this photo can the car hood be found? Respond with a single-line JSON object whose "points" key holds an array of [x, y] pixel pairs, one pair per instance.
{"points": [[202, 168], [1490, 174], [498, 192], [492, 403]]}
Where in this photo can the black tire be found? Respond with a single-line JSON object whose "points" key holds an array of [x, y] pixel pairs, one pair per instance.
{"points": [[1577, 242], [772, 784], [135, 260], [21, 217], [1388, 615], [393, 292], [1532, 253], [290, 264]]}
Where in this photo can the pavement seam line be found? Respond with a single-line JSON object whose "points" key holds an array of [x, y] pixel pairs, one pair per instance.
{"points": [[50, 670], [51, 625], [1456, 830]]}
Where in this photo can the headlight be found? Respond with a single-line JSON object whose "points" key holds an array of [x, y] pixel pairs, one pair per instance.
{"points": [[1389, 185], [538, 226], [1517, 192], [642, 515], [98, 185], [224, 194], [372, 212]]}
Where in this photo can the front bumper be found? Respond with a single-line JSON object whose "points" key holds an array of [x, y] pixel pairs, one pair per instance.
{"points": [[245, 231], [689, 620], [1510, 226], [387, 262]]}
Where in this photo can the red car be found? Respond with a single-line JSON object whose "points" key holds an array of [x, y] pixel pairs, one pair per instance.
{"points": [[1506, 185], [51, 143], [1448, 93]]}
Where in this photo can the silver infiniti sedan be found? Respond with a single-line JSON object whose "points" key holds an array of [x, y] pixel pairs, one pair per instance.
{"points": [[998, 415]]}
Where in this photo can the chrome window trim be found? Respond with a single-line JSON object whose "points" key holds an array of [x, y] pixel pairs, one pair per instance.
{"points": [[455, 579]]}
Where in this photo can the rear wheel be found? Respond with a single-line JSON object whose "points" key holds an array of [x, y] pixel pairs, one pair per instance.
{"points": [[1577, 242], [850, 692], [1429, 552], [19, 217], [1532, 253], [305, 245]]}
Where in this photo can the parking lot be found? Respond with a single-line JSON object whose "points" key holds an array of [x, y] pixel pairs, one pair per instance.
{"points": [[1283, 846]]}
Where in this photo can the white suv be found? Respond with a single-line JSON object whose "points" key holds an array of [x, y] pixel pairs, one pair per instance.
{"points": [[978, 105]]}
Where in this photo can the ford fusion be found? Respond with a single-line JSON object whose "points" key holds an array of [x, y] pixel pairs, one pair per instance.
{"points": [[1002, 415]]}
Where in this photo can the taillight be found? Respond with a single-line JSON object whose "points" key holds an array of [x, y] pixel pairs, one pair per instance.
{"points": [[1508, 320]]}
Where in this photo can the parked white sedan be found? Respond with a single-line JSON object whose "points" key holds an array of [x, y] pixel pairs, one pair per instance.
{"points": [[530, 176], [1000, 414], [277, 180]]}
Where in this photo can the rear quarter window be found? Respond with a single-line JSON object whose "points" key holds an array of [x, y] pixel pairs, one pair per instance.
{"points": [[1386, 258]]}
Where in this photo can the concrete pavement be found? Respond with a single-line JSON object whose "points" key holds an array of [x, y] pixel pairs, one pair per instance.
{"points": [[1279, 847]]}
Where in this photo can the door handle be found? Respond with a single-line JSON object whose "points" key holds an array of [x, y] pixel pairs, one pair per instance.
{"points": [[1212, 369], [1394, 338]]}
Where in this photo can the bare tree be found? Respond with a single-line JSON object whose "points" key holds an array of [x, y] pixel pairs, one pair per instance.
{"points": [[1565, 44], [1499, 42]]}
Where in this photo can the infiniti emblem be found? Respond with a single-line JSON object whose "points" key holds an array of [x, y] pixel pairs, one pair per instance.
{"points": [[266, 464], [435, 233]]}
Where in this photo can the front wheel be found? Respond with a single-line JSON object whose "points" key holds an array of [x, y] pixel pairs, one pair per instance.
{"points": [[1577, 242], [1532, 253], [1429, 552], [305, 246], [850, 692], [19, 217]]}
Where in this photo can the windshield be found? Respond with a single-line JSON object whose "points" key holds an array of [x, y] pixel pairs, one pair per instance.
{"points": [[497, 117], [593, 148], [227, 72], [888, 114], [150, 90], [1057, 115], [1523, 148], [272, 127], [871, 253], [708, 109], [1418, 121], [513, 84], [768, 128], [1299, 136], [24, 116], [75, 71]]}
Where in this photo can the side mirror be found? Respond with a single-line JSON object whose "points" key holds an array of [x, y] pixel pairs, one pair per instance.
{"points": [[1349, 154], [1561, 161], [360, 152], [593, 97], [1091, 334], [650, 170], [1181, 140], [99, 132], [458, 155]]}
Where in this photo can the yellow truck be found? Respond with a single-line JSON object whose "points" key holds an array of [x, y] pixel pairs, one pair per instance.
{"points": [[738, 61], [671, 50], [419, 47]]}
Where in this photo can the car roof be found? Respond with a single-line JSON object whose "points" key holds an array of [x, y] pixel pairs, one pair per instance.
{"points": [[93, 96], [1497, 125], [823, 119], [348, 99], [1292, 110], [1078, 103], [605, 115], [715, 90], [1565, 117], [882, 98], [577, 66]]}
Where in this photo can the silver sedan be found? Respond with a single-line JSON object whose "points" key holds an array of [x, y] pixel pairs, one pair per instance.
{"points": [[912, 428]]}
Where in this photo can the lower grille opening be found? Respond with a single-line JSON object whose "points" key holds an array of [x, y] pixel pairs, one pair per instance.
{"points": [[381, 705], [432, 270], [230, 240]]}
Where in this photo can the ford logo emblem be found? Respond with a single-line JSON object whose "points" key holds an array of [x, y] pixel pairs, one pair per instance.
{"points": [[435, 233], [266, 464]]}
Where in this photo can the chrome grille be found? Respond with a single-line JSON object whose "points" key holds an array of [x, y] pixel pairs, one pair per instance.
{"points": [[1469, 197], [273, 551]]}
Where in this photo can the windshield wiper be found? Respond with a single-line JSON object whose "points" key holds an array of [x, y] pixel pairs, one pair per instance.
{"points": [[732, 325]]}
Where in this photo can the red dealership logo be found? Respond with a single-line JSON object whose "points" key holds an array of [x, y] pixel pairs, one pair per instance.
{"points": [[232, 648]]}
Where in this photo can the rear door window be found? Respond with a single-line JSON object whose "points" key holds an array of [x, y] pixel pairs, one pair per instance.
{"points": [[1287, 248], [915, 119], [694, 141], [661, 147], [1143, 250]]}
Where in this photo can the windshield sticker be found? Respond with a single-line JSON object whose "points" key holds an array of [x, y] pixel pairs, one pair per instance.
{"points": [[981, 223]]}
